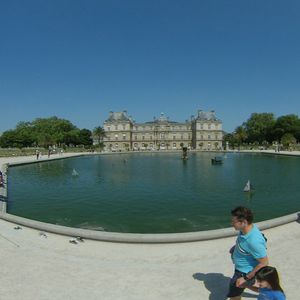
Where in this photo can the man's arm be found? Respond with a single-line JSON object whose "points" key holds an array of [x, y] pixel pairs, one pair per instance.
{"points": [[262, 263]]}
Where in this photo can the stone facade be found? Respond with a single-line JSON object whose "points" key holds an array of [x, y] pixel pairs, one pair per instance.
{"points": [[122, 133]]}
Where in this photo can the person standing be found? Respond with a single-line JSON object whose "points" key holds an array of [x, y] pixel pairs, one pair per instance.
{"points": [[249, 254], [1, 179]]}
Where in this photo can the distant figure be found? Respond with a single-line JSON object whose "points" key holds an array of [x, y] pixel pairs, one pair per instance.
{"points": [[37, 153], [268, 283], [184, 153], [49, 152], [1, 179]]}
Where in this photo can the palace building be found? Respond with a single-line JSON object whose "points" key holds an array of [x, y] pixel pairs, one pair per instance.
{"points": [[122, 133]]}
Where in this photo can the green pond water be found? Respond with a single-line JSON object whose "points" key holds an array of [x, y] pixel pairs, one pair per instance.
{"points": [[153, 192]]}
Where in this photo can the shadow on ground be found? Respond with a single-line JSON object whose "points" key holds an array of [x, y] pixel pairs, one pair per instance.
{"points": [[3, 199], [217, 284]]}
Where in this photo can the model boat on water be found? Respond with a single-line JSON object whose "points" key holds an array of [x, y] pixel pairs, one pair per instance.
{"points": [[248, 187], [217, 160], [74, 173]]}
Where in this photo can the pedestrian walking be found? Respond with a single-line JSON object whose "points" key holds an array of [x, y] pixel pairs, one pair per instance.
{"points": [[1, 179], [249, 254]]}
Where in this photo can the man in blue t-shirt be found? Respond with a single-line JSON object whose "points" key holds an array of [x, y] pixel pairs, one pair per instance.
{"points": [[249, 253]]}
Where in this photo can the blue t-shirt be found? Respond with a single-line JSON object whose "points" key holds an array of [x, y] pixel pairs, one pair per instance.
{"points": [[248, 248], [267, 294]]}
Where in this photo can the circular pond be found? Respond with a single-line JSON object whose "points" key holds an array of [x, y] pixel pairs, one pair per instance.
{"points": [[153, 192]]}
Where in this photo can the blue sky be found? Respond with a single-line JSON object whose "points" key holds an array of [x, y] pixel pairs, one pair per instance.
{"points": [[81, 59]]}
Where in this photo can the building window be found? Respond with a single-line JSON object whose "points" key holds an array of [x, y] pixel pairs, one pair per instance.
{"points": [[116, 137], [124, 136], [208, 136], [135, 137], [174, 145], [116, 127], [150, 137], [216, 136], [201, 126], [209, 126], [143, 137], [174, 137], [201, 137], [124, 127], [108, 128], [162, 135], [182, 136]]}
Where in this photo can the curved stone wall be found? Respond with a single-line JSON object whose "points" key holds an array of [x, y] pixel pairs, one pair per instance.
{"points": [[142, 238]]}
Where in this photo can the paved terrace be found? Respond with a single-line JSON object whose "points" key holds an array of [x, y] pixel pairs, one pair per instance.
{"points": [[37, 267]]}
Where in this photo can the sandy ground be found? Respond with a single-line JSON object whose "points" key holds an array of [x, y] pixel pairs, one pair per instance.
{"points": [[38, 267]]}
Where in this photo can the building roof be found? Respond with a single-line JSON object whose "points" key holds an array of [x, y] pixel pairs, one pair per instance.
{"points": [[207, 116], [118, 117], [162, 120]]}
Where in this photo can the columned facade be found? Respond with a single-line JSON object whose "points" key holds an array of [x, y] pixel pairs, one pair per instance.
{"points": [[203, 132]]}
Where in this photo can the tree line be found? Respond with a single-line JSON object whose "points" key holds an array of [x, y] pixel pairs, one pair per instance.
{"points": [[45, 132], [264, 129], [260, 129]]}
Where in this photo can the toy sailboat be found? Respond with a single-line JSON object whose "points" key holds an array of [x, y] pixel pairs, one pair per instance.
{"points": [[75, 173], [248, 187]]}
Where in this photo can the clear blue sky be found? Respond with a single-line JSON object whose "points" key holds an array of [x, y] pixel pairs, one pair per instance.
{"points": [[80, 59]]}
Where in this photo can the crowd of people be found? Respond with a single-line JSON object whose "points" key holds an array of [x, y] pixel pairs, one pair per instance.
{"points": [[251, 264]]}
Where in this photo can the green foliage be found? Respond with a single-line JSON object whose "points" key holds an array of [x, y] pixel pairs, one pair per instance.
{"points": [[45, 132], [84, 137], [259, 127], [240, 135], [99, 133], [288, 140], [264, 129], [287, 124]]}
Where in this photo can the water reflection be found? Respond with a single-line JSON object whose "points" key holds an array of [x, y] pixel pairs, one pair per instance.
{"points": [[153, 192]]}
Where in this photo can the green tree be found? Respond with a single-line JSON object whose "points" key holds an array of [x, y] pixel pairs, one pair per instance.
{"points": [[240, 135], [228, 137], [287, 124], [42, 132], [85, 137], [259, 127], [99, 132], [288, 140], [50, 131]]}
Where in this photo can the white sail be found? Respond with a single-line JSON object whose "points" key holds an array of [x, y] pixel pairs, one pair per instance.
{"points": [[247, 187], [74, 173]]}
